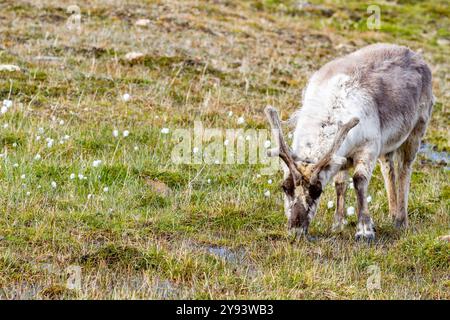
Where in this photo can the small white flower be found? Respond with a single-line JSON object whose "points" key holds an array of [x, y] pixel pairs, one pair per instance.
{"points": [[66, 137], [216, 161], [14, 144], [50, 143], [89, 196], [96, 163], [72, 176], [53, 184], [61, 122], [350, 211], [80, 176], [115, 133], [136, 148], [195, 150], [61, 141], [6, 125], [126, 133], [22, 176], [39, 186], [258, 175], [165, 130], [330, 204], [7, 103], [2, 155], [28, 193], [85, 178], [267, 193], [209, 181], [290, 135], [269, 181], [369, 199], [105, 189], [351, 185], [37, 157], [15, 165], [248, 138], [41, 130], [226, 142], [38, 138], [3, 110], [126, 97], [230, 113], [240, 120], [267, 144]]}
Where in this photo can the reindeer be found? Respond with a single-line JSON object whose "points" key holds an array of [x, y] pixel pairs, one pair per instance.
{"points": [[370, 105]]}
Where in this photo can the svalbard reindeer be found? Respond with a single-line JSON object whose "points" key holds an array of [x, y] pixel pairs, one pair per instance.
{"points": [[371, 104]]}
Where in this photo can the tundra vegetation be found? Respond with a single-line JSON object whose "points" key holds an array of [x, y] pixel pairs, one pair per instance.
{"points": [[92, 206]]}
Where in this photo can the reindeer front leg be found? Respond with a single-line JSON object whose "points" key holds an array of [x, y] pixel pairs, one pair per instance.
{"points": [[340, 183], [361, 178]]}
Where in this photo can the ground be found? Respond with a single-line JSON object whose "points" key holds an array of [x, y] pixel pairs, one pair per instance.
{"points": [[136, 225]]}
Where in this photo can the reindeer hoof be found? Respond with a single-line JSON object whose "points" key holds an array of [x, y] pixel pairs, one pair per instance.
{"points": [[365, 231], [369, 238], [401, 223]]}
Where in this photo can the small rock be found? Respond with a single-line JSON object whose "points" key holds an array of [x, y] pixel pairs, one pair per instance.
{"points": [[159, 187], [9, 67], [443, 42], [142, 22], [444, 238], [134, 56]]}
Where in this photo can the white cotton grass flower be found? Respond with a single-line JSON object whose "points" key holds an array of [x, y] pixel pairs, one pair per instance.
{"points": [[7, 103], [3, 110], [126, 97], [267, 193], [126, 133], [195, 150], [369, 198], [115, 133], [89, 196], [54, 185], [267, 144], [350, 211], [37, 157], [216, 161], [39, 186], [330, 204], [226, 142], [230, 113], [23, 177], [80, 176], [209, 181], [40, 130], [96, 163], [258, 175], [248, 138], [136, 148], [351, 185], [72, 176], [66, 137], [14, 144], [61, 122], [240, 120], [28, 193], [16, 165], [38, 138], [5, 125], [290, 135], [269, 181], [165, 130], [50, 142], [105, 189]]}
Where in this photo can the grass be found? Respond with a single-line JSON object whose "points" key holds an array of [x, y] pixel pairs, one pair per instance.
{"points": [[162, 230]]}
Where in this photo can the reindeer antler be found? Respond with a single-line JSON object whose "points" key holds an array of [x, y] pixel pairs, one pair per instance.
{"points": [[283, 151], [342, 132]]}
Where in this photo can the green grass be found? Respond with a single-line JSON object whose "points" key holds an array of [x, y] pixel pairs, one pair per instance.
{"points": [[162, 230]]}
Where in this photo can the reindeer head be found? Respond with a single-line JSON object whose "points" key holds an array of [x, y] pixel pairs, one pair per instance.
{"points": [[304, 182]]}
